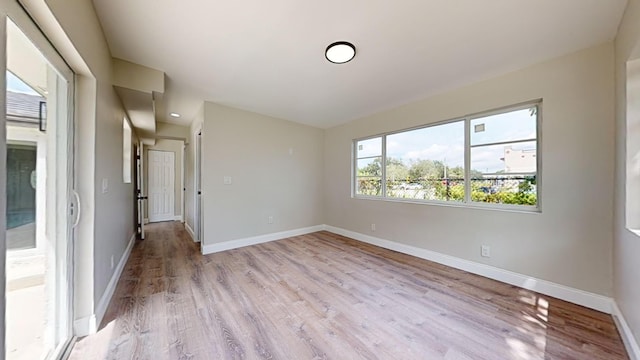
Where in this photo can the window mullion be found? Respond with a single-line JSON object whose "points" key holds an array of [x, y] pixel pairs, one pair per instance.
{"points": [[503, 143], [467, 160], [354, 168], [383, 164]]}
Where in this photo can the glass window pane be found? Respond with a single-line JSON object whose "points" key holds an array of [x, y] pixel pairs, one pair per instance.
{"points": [[510, 126], [369, 167], [515, 158], [427, 163], [369, 185], [369, 147], [38, 234], [21, 196], [505, 189]]}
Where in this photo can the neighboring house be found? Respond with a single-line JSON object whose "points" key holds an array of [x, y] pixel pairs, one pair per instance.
{"points": [[24, 108], [26, 164], [519, 161]]}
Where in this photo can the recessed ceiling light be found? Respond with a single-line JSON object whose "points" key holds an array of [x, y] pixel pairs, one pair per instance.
{"points": [[340, 52], [176, 115]]}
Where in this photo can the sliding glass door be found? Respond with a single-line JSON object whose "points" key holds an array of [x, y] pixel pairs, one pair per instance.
{"points": [[39, 211]]}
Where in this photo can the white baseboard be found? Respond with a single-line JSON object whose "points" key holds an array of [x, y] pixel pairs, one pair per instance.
{"points": [[191, 232], [101, 308], [85, 326], [234, 244], [629, 340], [177, 218], [576, 296]]}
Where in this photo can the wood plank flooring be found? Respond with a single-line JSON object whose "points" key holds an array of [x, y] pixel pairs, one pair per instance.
{"points": [[324, 296]]}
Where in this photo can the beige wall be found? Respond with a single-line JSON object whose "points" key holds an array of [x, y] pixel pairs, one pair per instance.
{"points": [[175, 147], [626, 254], [172, 130], [276, 168], [570, 242], [136, 77]]}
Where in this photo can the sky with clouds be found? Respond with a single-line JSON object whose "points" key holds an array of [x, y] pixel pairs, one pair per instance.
{"points": [[446, 142], [16, 85]]}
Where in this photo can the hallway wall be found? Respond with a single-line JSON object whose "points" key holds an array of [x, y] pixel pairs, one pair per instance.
{"points": [[626, 246]]}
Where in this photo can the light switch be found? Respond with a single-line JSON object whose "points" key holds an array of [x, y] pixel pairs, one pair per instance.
{"points": [[105, 185], [227, 180]]}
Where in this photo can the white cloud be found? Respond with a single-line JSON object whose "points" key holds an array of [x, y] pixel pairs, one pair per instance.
{"points": [[453, 155]]}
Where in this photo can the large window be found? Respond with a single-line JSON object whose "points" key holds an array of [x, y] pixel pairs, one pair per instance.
{"points": [[488, 158]]}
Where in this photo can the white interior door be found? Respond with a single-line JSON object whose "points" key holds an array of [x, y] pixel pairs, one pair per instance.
{"points": [[161, 177]]}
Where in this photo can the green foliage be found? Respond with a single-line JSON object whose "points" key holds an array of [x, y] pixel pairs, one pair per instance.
{"points": [[396, 170], [487, 191], [370, 186], [372, 169], [425, 169], [425, 179]]}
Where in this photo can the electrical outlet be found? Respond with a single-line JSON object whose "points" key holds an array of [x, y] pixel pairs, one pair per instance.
{"points": [[111, 262], [227, 180], [485, 251], [373, 227], [270, 219]]}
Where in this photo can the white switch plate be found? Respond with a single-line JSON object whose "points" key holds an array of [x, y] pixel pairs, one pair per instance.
{"points": [[227, 180], [105, 185], [270, 219], [485, 251]]}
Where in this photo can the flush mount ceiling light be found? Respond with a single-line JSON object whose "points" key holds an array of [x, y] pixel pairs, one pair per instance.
{"points": [[175, 115], [340, 52]]}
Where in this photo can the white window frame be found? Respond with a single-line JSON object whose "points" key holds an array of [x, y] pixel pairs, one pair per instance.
{"points": [[467, 202], [127, 151]]}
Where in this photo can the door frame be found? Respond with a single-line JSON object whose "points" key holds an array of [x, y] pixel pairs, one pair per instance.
{"points": [[139, 194], [197, 188]]}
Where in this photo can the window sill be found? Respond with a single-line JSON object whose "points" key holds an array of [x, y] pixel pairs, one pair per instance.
{"points": [[475, 206], [636, 232]]}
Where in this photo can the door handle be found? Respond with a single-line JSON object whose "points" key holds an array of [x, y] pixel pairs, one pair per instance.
{"points": [[143, 197], [78, 209]]}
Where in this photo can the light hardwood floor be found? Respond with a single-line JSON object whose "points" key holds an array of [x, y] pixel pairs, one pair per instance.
{"points": [[324, 296]]}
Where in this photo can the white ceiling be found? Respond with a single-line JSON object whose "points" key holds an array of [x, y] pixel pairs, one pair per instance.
{"points": [[268, 56]]}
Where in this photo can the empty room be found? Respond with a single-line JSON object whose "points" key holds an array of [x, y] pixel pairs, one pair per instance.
{"points": [[337, 180]]}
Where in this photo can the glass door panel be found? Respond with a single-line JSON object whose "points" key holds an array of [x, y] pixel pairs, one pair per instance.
{"points": [[39, 178]]}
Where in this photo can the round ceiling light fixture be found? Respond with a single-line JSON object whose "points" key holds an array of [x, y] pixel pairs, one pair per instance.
{"points": [[340, 52]]}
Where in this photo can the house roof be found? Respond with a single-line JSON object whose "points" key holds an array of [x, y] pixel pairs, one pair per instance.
{"points": [[23, 106]]}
